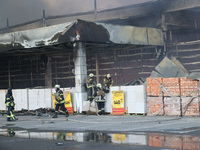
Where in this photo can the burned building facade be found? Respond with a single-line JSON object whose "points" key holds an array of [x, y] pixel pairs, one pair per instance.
{"points": [[47, 65]]}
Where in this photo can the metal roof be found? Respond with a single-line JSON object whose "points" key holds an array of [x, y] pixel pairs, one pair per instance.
{"points": [[90, 32]]}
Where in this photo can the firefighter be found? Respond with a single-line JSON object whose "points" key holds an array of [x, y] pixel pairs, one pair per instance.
{"points": [[108, 82], [100, 99], [9, 100], [91, 85], [60, 101]]}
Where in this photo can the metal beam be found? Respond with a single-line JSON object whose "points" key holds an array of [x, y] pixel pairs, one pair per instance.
{"points": [[177, 5]]}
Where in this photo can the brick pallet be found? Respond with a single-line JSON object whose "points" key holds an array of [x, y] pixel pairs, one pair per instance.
{"points": [[172, 96]]}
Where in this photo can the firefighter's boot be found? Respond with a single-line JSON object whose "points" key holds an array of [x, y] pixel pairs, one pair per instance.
{"points": [[67, 114], [15, 119]]}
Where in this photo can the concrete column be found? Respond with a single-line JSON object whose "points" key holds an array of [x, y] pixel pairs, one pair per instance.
{"points": [[48, 74], [80, 74], [9, 75], [164, 29], [97, 69]]}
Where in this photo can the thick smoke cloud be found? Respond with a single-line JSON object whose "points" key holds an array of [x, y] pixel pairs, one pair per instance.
{"points": [[20, 11]]}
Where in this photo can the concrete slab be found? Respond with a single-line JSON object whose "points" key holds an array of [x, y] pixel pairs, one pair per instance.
{"points": [[104, 123]]}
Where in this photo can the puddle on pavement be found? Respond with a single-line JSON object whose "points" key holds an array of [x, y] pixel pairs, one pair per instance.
{"points": [[173, 141]]}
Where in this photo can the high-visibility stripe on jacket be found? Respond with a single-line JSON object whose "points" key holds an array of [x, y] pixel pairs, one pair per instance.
{"points": [[108, 82], [60, 98], [9, 100], [90, 82]]}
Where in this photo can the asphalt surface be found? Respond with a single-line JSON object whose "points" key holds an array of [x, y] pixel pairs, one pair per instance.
{"points": [[100, 132]]}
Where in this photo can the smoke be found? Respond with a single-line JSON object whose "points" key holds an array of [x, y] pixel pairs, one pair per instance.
{"points": [[20, 11]]}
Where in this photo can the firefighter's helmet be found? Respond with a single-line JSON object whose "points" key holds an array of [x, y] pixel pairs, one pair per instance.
{"points": [[57, 86], [91, 75], [99, 85], [108, 75]]}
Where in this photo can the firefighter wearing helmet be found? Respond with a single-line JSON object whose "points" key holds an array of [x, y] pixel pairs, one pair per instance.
{"points": [[100, 99], [60, 101], [108, 82], [90, 84]]}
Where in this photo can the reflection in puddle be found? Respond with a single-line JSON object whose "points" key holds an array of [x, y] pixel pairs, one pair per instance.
{"points": [[149, 139]]}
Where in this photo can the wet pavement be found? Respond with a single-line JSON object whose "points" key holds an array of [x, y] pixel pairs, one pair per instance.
{"points": [[92, 132]]}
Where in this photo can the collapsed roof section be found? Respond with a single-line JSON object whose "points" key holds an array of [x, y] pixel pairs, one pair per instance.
{"points": [[89, 32]]}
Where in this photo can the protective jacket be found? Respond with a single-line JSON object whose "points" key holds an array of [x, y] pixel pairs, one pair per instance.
{"points": [[90, 83], [108, 82], [9, 99], [59, 97]]}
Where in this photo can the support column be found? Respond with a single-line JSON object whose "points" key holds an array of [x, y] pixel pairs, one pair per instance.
{"points": [[9, 76], [80, 74], [48, 75], [97, 69], [164, 29]]}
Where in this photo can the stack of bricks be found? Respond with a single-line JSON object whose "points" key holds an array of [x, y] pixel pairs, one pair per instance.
{"points": [[179, 93], [172, 106], [155, 106], [172, 86], [192, 109], [188, 87], [153, 87], [154, 96], [188, 91], [172, 100]]}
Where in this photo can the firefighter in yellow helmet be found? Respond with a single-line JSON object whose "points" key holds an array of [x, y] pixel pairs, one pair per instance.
{"points": [[108, 82], [91, 85]]}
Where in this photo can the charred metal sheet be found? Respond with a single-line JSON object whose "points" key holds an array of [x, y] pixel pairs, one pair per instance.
{"points": [[168, 69], [155, 37], [179, 65], [33, 38], [88, 32], [134, 35]]}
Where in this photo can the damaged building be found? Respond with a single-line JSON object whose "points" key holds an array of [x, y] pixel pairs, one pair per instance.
{"points": [[48, 64], [127, 42]]}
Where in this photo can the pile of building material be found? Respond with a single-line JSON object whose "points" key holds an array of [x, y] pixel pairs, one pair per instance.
{"points": [[172, 93], [172, 96]]}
